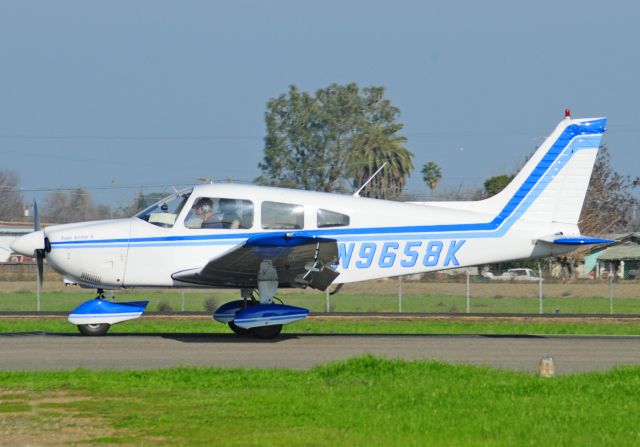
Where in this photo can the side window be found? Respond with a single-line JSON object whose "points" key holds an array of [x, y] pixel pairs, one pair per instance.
{"points": [[328, 218], [221, 213], [284, 216]]}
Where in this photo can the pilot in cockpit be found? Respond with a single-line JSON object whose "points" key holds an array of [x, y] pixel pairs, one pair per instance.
{"points": [[205, 214], [202, 215]]}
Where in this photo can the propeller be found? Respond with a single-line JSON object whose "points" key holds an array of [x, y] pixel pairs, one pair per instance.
{"points": [[39, 252], [34, 244]]}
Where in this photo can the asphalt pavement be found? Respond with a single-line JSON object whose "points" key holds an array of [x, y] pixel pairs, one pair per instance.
{"points": [[48, 351]]}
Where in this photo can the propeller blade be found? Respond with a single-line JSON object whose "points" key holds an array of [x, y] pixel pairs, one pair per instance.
{"points": [[36, 217], [40, 267]]}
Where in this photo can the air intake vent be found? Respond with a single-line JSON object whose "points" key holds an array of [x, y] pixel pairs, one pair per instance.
{"points": [[90, 278]]}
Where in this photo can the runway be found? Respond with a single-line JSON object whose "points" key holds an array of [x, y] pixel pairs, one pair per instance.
{"points": [[571, 354]]}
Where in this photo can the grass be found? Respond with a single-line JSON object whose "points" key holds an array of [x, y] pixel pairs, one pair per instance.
{"points": [[59, 325], [316, 302], [361, 401]]}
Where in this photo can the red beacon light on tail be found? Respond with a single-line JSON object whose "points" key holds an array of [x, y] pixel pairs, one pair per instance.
{"points": [[567, 113]]}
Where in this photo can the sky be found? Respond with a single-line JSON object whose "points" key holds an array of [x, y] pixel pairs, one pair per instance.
{"points": [[122, 95]]}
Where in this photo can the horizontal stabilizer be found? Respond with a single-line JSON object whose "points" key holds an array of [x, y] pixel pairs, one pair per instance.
{"points": [[581, 240], [559, 239]]}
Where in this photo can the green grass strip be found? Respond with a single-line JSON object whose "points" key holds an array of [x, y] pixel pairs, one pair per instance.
{"points": [[362, 402], [343, 327], [343, 302]]}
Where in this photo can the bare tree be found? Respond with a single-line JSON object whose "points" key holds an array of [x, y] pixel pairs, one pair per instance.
{"points": [[73, 206], [609, 201], [11, 201]]}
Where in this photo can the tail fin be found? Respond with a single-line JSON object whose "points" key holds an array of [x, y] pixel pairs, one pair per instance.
{"points": [[548, 192], [552, 185]]}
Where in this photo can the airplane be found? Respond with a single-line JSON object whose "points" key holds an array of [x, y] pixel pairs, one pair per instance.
{"points": [[258, 239]]}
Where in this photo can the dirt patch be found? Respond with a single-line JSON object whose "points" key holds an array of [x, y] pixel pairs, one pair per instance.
{"points": [[47, 422]]}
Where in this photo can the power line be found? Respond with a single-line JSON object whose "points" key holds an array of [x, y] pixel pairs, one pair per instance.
{"points": [[129, 137], [500, 132]]}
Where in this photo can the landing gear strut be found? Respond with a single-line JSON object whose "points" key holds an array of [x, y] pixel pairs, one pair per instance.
{"points": [[259, 316], [98, 329]]}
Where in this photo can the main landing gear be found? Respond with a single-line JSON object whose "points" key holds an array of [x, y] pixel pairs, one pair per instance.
{"points": [[263, 332], [261, 318]]}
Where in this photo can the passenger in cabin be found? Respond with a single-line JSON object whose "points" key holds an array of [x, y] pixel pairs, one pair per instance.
{"points": [[230, 217]]}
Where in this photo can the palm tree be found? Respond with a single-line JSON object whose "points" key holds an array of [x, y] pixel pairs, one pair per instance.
{"points": [[431, 174], [375, 146]]}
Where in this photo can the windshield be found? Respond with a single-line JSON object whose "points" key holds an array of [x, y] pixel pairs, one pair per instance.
{"points": [[164, 212]]}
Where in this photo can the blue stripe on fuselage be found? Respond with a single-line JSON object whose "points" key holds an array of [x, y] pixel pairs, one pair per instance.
{"points": [[531, 188]]}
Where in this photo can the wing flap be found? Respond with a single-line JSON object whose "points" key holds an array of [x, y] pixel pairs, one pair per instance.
{"points": [[299, 260]]}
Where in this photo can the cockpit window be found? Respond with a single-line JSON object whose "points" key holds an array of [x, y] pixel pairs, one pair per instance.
{"points": [[282, 216], [328, 218], [215, 212], [164, 212]]}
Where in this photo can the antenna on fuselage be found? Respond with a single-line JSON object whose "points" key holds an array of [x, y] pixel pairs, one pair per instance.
{"points": [[357, 193]]}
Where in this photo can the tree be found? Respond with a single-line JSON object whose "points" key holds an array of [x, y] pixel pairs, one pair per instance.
{"points": [[609, 200], [56, 208], [332, 139], [461, 193], [81, 205], [11, 202], [75, 205], [431, 174], [378, 146], [495, 184], [140, 202]]}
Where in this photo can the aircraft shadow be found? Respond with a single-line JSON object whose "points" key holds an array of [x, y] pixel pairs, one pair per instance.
{"points": [[205, 337]]}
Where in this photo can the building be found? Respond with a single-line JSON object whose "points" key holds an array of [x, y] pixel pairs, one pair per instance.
{"points": [[9, 231], [621, 258]]}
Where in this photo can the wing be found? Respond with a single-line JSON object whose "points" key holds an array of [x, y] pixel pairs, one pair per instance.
{"points": [[299, 260]]}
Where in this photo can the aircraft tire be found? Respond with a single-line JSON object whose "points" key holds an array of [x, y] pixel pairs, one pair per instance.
{"points": [[239, 330], [94, 329], [266, 332]]}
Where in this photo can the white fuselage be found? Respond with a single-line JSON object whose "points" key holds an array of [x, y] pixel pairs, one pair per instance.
{"points": [[382, 239], [375, 238]]}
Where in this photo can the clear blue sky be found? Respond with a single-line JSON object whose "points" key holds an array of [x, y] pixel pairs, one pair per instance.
{"points": [[130, 93]]}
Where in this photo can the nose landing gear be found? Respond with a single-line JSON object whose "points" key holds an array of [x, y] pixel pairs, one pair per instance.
{"points": [[95, 317]]}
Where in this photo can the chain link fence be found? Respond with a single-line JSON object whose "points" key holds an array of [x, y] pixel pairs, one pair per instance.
{"points": [[440, 293]]}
